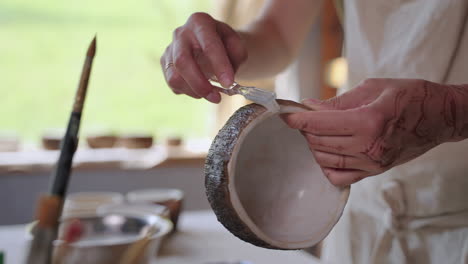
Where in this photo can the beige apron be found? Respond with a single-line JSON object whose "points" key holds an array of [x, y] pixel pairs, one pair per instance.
{"points": [[416, 212]]}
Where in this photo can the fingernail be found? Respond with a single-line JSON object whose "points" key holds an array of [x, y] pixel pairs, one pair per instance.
{"points": [[213, 97], [225, 80]]}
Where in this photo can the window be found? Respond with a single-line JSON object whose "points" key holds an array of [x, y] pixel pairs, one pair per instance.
{"points": [[42, 49]]}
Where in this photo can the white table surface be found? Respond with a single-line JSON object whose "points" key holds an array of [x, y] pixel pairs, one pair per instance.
{"points": [[201, 239]]}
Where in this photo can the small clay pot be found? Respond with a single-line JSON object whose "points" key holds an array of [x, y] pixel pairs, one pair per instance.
{"points": [[51, 142], [136, 141], [101, 141], [174, 141]]}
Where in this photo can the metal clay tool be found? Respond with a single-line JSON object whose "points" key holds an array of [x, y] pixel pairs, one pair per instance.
{"points": [[254, 94]]}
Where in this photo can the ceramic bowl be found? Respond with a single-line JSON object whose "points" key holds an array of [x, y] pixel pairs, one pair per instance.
{"points": [[264, 184]]}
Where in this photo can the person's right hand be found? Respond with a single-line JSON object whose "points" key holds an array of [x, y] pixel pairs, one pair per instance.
{"points": [[200, 49]]}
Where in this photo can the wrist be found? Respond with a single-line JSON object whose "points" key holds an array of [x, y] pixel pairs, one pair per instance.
{"points": [[456, 112]]}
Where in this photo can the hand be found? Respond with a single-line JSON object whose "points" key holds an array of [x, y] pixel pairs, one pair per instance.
{"points": [[201, 48], [380, 124]]}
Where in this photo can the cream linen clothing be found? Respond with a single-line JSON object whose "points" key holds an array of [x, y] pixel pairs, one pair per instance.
{"points": [[416, 212]]}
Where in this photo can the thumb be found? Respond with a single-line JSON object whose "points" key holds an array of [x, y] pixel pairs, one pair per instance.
{"points": [[316, 104], [342, 102], [349, 100]]}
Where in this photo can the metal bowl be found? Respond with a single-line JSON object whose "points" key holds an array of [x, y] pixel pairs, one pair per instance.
{"points": [[106, 238]]}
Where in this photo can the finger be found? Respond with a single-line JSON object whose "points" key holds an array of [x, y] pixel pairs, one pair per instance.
{"points": [[166, 58], [166, 62], [215, 51], [342, 145], [344, 177], [330, 160], [174, 80], [186, 91], [326, 123], [345, 101], [183, 88], [234, 45], [361, 95], [186, 66]]}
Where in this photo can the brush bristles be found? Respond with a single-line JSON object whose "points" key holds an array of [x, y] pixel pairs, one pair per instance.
{"points": [[83, 85], [92, 48]]}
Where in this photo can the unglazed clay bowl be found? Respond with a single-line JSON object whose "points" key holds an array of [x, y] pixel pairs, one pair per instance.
{"points": [[264, 184], [136, 141], [101, 141], [51, 142]]}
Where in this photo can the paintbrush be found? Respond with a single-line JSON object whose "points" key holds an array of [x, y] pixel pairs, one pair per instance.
{"points": [[70, 140], [136, 251], [50, 206]]}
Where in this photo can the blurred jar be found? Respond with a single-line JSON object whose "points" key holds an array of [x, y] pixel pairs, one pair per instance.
{"points": [[171, 198], [84, 204]]}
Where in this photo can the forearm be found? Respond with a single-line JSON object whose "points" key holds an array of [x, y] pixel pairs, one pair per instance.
{"points": [[275, 39], [267, 53]]}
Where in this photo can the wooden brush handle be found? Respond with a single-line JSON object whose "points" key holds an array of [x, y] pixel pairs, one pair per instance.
{"points": [[48, 211], [135, 253]]}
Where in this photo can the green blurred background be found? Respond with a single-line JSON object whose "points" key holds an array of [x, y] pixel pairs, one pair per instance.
{"points": [[42, 48]]}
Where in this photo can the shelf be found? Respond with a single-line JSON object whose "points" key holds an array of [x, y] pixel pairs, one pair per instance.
{"points": [[111, 158]]}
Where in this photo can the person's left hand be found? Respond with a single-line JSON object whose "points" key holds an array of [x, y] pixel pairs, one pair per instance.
{"points": [[378, 125]]}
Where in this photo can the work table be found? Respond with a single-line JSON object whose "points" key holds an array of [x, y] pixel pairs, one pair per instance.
{"points": [[200, 239]]}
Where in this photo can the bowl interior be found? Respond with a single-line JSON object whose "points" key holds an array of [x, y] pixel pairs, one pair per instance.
{"points": [[277, 187]]}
